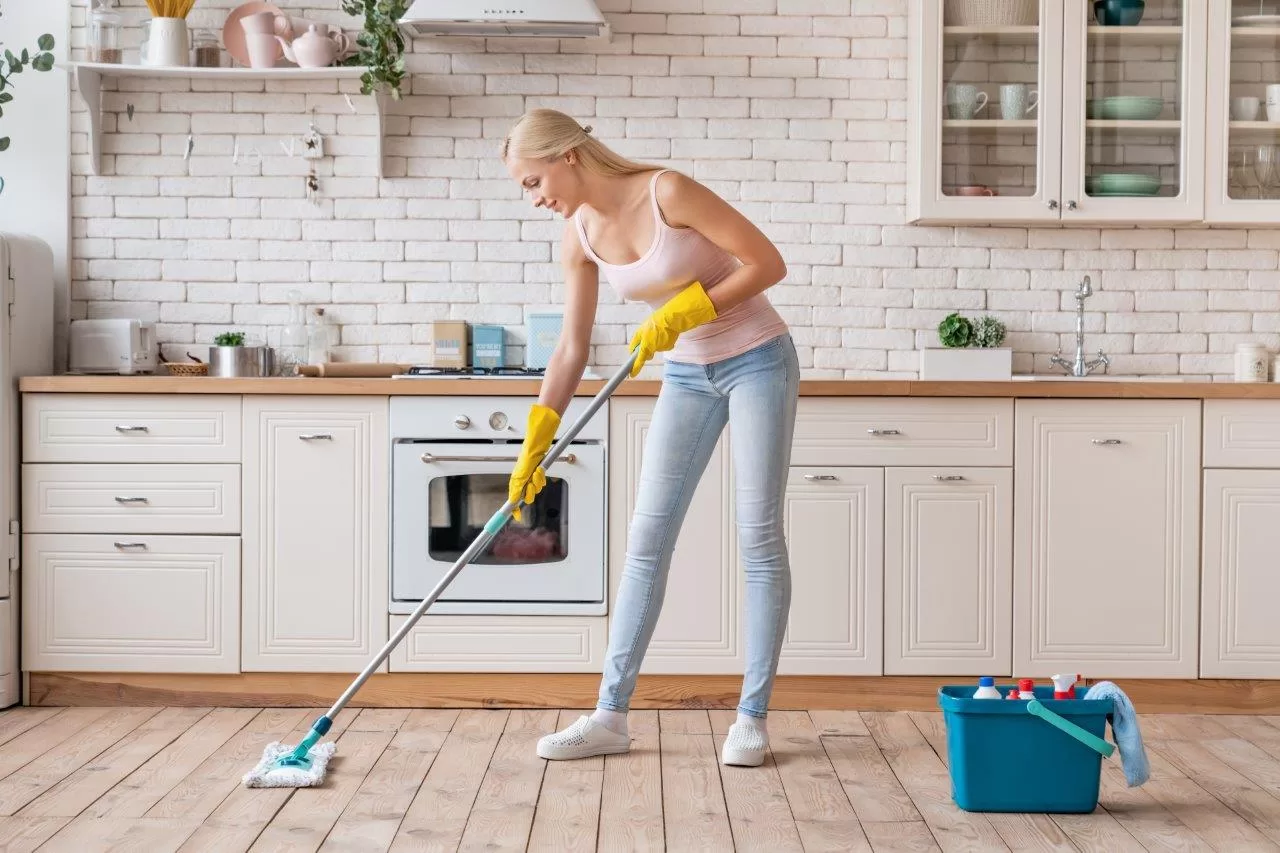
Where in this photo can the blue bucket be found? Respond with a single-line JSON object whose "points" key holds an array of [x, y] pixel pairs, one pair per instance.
{"points": [[1040, 755]]}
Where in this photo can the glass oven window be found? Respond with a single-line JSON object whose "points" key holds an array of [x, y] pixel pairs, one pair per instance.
{"points": [[458, 506]]}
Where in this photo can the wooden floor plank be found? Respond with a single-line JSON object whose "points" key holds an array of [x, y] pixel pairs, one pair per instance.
{"points": [[503, 814], [825, 819], [22, 834], [147, 785], [79, 790], [911, 836], [1154, 826], [927, 782], [1208, 817], [41, 774], [304, 821], [48, 734], [839, 723], [868, 781], [568, 815], [1216, 777], [201, 791], [1098, 832], [370, 820], [759, 815], [243, 813], [437, 816], [111, 834], [934, 729], [631, 795], [14, 721], [693, 803]]}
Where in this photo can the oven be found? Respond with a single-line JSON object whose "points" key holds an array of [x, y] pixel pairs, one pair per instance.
{"points": [[451, 460]]}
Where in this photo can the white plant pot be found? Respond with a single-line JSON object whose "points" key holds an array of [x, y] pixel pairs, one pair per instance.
{"points": [[969, 363]]}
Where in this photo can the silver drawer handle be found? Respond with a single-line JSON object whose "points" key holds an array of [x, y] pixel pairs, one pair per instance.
{"points": [[315, 436], [874, 431], [128, 428], [1107, 441], [131, 546], [432, 459], [948, 478], [821, 477], [131, 500]]}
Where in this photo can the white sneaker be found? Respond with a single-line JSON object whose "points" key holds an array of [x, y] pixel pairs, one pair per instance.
{"points": [[583, 739], [744, 746]]}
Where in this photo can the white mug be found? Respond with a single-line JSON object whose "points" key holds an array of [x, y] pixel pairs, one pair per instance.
{"points": [[964, 100], [263, 49], [1014, 101], [167, 43], [1273, 102], [1245, 109]]}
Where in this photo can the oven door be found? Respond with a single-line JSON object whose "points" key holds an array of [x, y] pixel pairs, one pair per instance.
{"points": [[443, 493]]}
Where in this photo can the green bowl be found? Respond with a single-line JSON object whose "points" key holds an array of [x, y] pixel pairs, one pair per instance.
{"points": [[1122, 183], [1125, 107]]}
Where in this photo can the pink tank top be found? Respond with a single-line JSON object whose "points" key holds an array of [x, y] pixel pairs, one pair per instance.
{"points": [[677, 258]]}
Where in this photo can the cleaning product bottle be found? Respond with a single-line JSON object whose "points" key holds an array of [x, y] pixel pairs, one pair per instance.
{"points": [[1026, 689], [1064, 686], [1012, 694], [986, 688]]}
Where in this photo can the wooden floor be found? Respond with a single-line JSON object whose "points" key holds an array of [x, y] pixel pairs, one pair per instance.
{"points": [[159, 779]]}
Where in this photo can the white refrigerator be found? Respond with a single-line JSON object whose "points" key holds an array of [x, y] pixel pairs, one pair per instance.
{"points": [[26, 349]]}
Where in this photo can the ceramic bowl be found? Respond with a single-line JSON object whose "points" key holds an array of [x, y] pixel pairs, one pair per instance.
{"points": [[1128, 107], [1118, 13], [1121, 184]]}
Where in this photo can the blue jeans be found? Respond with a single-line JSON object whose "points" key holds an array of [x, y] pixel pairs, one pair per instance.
{"points": [[756, 392]]}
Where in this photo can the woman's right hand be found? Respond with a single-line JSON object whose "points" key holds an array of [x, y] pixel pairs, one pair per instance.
{"points": [[527, 479]]}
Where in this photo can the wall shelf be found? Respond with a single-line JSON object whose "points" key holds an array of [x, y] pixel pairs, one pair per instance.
{"points": [[89, 83]]}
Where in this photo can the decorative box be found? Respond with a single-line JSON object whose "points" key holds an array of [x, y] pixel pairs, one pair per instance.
{"points": [[544, 333], [488, 346], [449, 343]]}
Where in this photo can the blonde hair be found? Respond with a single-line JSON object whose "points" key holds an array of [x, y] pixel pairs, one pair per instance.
{"points": [[545, 134]]}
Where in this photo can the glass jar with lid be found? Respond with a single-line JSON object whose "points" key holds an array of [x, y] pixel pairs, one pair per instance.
{"points": [[105, 30], [207, 52]]}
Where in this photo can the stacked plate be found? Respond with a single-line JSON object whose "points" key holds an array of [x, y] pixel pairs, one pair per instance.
{"points": [[1124, 107], [1121, 184]]}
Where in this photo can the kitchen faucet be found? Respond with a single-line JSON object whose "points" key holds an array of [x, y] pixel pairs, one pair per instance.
{"points": [[1080, 367]]}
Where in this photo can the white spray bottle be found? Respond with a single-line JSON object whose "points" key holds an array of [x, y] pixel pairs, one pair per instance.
{"points": [[1064, 686]]}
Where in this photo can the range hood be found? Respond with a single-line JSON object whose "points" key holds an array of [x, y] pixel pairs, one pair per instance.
{"points": [[491, 18]]}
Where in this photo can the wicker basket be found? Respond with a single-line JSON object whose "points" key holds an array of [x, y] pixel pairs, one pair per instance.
{"points": [[991, 13], [185, 369]]}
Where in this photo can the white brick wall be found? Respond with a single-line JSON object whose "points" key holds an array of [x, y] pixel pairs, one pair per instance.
{"points": [[794, 110]]}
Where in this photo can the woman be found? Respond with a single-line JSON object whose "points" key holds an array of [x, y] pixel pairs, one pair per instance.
{"points": [[666, 240]]}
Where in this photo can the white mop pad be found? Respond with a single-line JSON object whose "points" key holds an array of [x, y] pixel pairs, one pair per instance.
{"points": [[267, 775]]}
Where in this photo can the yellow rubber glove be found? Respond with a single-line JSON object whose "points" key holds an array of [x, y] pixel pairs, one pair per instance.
{"points": [[528, 479], [689, 308]]}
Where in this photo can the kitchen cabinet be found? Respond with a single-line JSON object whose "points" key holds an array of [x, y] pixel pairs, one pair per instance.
{"points": [[948, 571], [1043, 113], [700, 627], [315, 493], [1106, 538], [835, 533], [130, 604]]}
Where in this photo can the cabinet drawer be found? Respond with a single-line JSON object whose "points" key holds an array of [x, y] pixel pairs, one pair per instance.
{"points": [[130, 428], [902, 431], [130, 498], [500, 644], [1242, 433], [131, 603]]}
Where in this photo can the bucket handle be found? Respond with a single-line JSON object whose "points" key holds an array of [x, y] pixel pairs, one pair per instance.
{"points": [[1092, 741]]}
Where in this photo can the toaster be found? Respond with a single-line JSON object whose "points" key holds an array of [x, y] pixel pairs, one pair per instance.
{"points": [[112, 345]]}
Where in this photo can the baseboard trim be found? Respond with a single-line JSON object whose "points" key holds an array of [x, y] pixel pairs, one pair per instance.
{"points": [[578, 690]]}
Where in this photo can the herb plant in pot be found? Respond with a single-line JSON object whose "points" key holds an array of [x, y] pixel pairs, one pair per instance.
{"points": [[971, 350], [230, 356]]}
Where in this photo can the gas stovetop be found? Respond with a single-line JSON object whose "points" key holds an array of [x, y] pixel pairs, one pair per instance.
{"points": [[426, 372]]}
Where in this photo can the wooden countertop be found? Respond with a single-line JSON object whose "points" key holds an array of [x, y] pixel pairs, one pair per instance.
{"points": [[1087, 388]]}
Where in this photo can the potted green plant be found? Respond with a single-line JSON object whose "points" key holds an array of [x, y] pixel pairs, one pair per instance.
{"points": [[381, 46], [14, 63], [231, 356], [971, 349]]}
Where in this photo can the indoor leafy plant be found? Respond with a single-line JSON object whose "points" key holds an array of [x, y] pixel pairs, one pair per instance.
{"points": [[970, 350], [381, 44], [14, 63], [229, 339]]}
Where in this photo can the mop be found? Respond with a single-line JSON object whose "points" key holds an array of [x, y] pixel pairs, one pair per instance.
{"points": [[304, 765]]}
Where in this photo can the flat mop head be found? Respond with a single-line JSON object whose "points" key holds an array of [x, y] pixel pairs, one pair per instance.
{"points": [[282, 767]]}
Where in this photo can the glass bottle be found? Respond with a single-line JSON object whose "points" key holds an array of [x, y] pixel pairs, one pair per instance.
{"points": [[105, 26], [207, 52], [294, 342], [318, 337]]}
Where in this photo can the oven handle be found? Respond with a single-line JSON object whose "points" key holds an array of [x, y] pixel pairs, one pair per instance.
{"points": [[431, 458]]}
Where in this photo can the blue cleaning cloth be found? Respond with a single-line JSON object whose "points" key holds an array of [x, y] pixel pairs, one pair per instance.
{"points": [[1124, 726]]}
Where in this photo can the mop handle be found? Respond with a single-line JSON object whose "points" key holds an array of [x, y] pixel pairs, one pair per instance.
{"points": [[491, 528]]}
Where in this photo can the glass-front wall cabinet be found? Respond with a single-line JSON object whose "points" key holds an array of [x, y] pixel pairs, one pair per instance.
{"points": [[1057, 110]]}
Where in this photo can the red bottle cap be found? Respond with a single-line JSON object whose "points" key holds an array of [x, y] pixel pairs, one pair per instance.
{"points": [[1026, 685]]}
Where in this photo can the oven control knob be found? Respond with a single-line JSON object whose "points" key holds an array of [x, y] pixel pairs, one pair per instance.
{"points": [[498, 420], [462, 421]]}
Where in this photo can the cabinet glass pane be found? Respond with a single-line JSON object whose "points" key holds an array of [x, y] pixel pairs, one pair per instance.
{"points": [[1133, 99], [989, 121], [1254, 136]]}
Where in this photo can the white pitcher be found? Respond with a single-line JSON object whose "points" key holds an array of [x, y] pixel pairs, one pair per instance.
{"points": [[167, 43]]}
